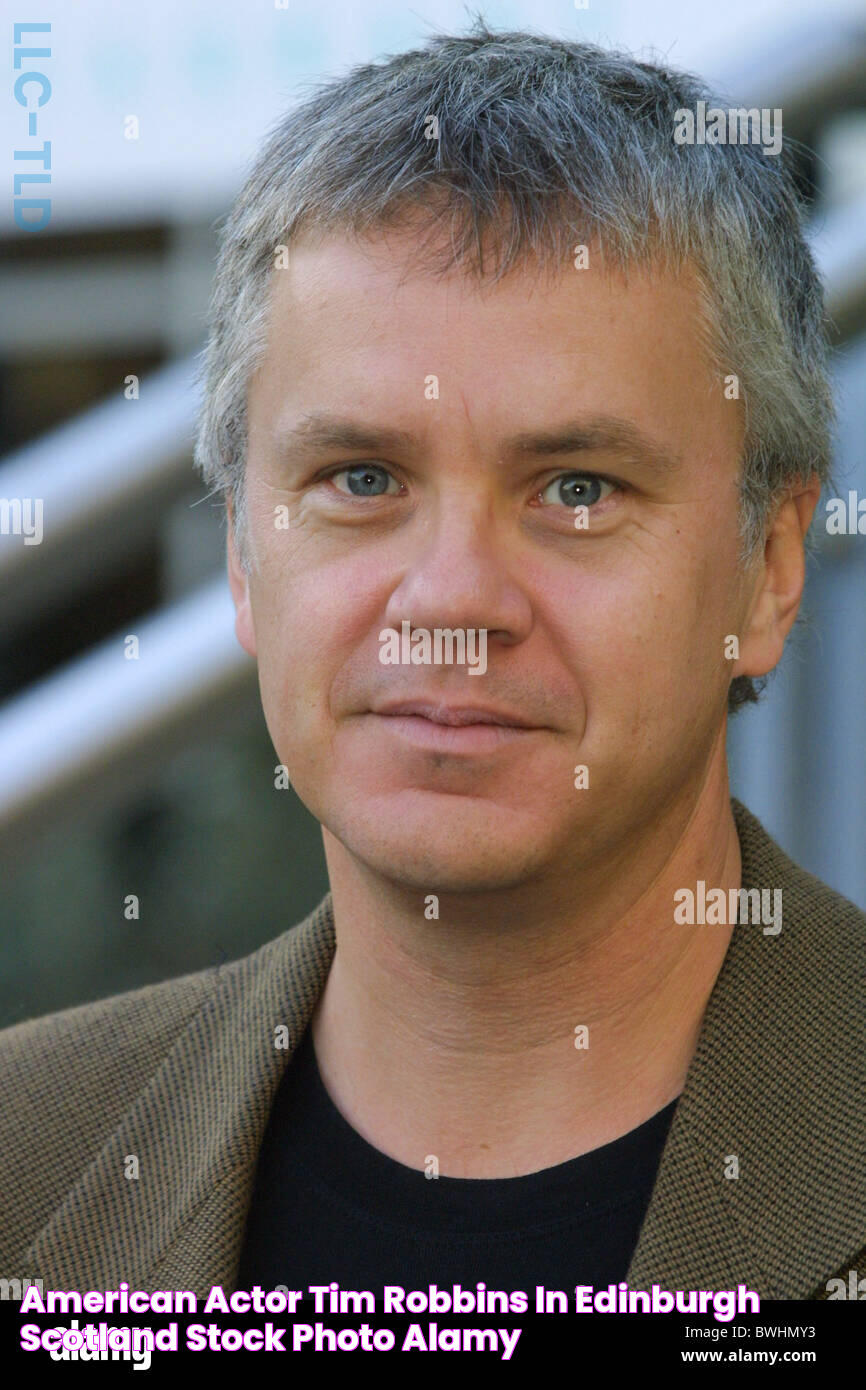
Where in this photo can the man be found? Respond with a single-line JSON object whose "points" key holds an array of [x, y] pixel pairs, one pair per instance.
{"points": [[498, 368]]}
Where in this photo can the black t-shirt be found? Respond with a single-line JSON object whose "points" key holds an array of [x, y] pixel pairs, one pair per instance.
{"points": [[329, 1206]]}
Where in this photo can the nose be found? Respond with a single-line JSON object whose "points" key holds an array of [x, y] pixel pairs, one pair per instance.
{"points": [[464, 574]]}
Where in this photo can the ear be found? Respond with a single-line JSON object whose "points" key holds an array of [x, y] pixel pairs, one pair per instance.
{"points": [[240, 586], [779, 581]]}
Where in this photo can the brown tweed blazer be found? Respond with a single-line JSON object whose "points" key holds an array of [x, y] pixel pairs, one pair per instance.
{"points": [[182, 1074]]}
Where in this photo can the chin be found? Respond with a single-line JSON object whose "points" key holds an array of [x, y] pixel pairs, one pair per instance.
{"points": [[446, 874], [446, 848]]}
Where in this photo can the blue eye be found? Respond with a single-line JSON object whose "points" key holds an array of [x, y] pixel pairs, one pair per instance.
{"points": [[577, 489], [366, 480]]}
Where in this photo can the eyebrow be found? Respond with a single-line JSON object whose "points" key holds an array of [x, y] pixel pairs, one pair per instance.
{"points": [[607, 432], [322, 431]]}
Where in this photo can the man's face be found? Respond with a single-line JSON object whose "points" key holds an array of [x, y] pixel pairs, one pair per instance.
{"points": [[605, 641]]}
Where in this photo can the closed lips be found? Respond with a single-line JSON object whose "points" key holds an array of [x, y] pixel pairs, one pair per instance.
{"points": [[455, 715]]}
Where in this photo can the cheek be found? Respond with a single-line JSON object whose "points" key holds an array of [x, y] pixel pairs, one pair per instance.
{"points": [[649, 643], [281, 641], [308, 633]]}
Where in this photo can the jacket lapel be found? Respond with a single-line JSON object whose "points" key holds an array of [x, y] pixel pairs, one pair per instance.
{"points": [[778, 1061], [196, 1131]]}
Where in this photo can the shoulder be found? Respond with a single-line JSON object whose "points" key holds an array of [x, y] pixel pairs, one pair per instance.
{"points": [[817, 911], [138, 1022], [112, 1045], [69, 1078]]}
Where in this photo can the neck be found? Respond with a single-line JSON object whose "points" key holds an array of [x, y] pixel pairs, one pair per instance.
{"points": [[457, 1036]]}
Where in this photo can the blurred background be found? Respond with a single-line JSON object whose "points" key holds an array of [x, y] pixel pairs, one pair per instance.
{"points": [[141, 832]]}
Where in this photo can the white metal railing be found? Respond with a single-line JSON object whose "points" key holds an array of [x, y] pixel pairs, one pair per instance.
{"points": [[103, 480], [89, 722]]}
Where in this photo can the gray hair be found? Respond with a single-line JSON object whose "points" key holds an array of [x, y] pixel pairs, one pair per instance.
{"points": [[541, 143]]}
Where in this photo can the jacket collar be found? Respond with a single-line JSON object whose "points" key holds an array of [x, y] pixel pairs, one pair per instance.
{"points": [[776, 1060]]}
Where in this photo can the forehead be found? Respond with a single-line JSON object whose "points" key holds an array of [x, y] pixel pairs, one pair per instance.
{"points": [[368, 322], [387, 274]]}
